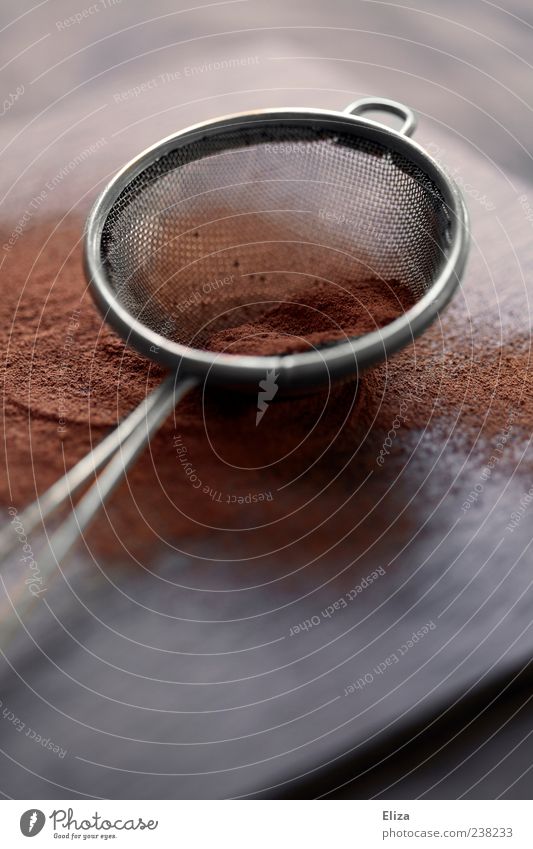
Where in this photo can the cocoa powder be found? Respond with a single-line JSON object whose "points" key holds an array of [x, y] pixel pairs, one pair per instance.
{"points": [[68, 379], [324, 314]]}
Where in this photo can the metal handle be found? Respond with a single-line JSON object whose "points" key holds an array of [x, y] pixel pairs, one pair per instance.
{"points": [[382, 104], [67, 486], [118, 450]]}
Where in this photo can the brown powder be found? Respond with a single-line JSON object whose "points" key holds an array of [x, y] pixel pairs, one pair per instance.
{"points": [[68, 378], [324, 314]]}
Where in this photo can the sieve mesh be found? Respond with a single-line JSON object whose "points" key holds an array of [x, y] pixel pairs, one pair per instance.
{"points": [[214, 232]]}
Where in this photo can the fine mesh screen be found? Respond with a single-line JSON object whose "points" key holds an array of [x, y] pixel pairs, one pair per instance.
{"points": [[213, 233]]}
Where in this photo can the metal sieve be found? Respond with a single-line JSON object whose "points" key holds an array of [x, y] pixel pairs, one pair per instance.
{"points": [[206, 229]]}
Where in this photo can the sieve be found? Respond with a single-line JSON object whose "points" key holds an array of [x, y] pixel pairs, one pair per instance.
{"points": [[203, 230]]}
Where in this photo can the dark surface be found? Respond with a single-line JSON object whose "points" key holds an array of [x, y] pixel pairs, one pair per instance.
{"points": [[477, 747], [180, 679]]}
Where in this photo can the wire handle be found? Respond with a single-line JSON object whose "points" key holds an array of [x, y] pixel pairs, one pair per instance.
{"points": [[118, 450], [383, 104]]}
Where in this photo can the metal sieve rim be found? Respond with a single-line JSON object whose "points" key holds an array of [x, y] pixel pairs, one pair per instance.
{"points": [[299, 369]]}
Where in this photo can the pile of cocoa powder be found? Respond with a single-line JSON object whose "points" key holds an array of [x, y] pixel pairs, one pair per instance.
{"points": [[68, 378], [324, 314]]}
